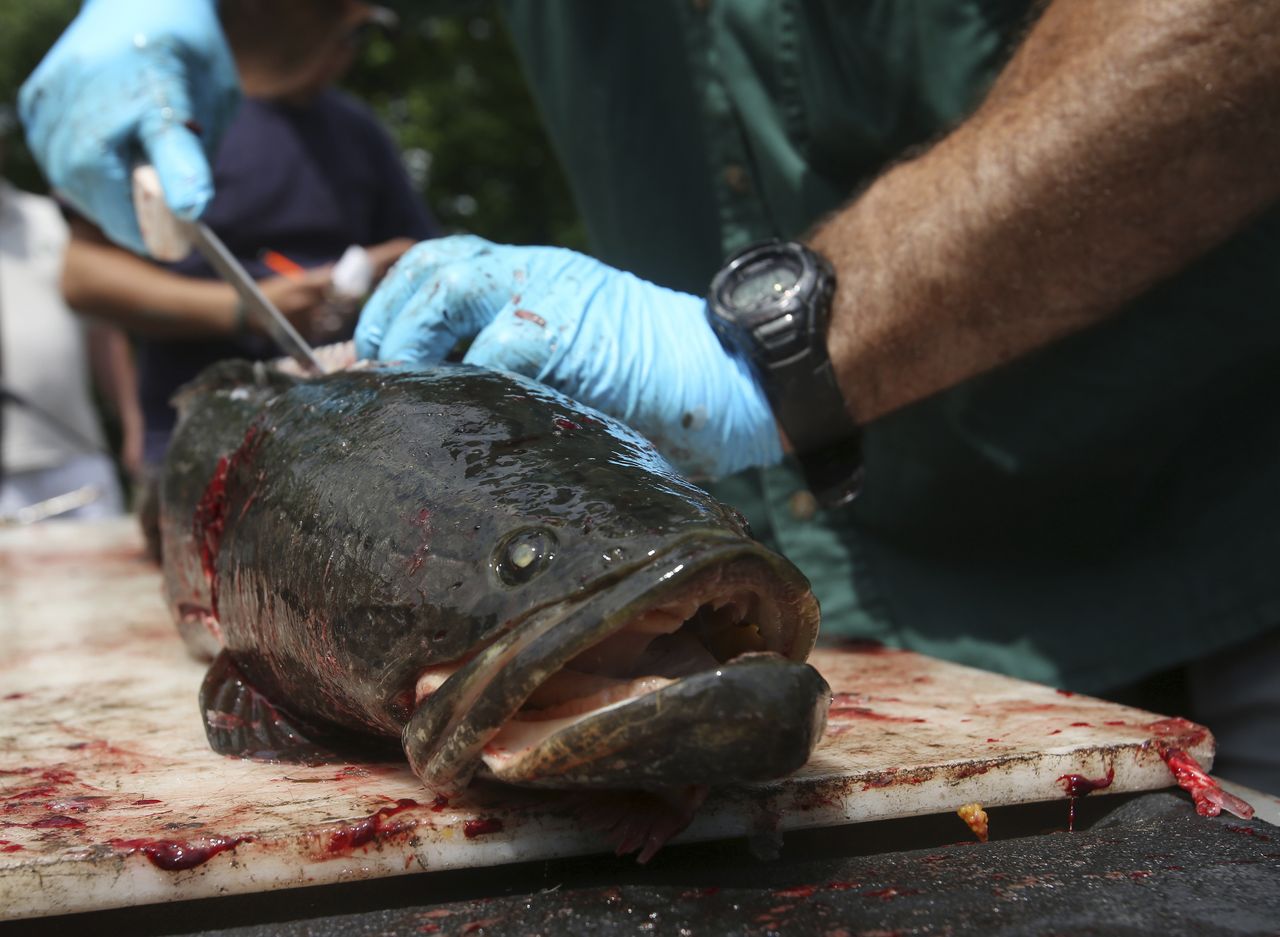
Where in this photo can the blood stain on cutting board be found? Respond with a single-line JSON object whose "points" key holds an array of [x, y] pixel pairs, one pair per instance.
{"points": [[111, 780]]}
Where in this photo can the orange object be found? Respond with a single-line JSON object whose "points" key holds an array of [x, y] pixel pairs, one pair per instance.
{"points": [[976, 817], [282, 265]]}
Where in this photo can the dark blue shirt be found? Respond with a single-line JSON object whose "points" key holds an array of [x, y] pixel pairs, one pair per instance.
{"points": [[307, 182]]}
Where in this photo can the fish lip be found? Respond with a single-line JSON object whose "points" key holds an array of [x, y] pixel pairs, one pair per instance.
{"points": [[445, 737], [755, 717]]}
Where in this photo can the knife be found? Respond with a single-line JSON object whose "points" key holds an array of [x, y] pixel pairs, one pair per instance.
{"points": [[170, 239]]}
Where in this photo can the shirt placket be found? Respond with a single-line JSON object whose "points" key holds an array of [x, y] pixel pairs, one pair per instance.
{"points": [[741, 215]]}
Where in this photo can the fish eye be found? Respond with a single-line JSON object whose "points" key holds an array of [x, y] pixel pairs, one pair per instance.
{"points": [[524, 554]]}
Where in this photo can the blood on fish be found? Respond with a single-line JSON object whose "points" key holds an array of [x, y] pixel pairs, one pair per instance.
{"points": [[211, 512], [210, 518]]}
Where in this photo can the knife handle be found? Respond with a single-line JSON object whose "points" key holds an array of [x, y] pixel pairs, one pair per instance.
{"points": [[164, 235]]}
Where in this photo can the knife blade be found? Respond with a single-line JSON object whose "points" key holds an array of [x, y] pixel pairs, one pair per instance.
{"points": [[260, 310], [170, 238]]}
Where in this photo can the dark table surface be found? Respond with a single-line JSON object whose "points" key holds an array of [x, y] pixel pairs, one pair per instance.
{"points": [[1135, 865]]}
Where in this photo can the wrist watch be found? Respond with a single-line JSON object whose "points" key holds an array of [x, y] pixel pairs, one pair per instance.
{"points": [[771, 303]]}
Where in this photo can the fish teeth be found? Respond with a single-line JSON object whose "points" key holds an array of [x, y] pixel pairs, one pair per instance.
{"points": [[656, 621]]}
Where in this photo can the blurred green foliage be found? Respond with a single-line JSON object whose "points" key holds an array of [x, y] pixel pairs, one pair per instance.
{"points": [[27, 29], [446, 83]]}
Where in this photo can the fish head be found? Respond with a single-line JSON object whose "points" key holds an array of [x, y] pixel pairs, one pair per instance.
{"points": [[625, 628]]}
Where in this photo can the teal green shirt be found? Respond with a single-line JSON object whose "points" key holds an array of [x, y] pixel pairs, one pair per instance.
{"points": [[1095, 511]]}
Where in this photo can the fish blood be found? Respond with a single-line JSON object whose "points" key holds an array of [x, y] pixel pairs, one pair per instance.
{"points": [[1209, 797], [1077, 785]]}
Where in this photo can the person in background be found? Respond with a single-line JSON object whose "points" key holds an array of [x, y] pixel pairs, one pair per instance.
{"points": [[303, 172], [1026, 304], [52, 445]]}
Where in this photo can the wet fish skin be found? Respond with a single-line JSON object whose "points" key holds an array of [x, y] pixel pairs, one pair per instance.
{"points": [[216, 409], [349, 532]]}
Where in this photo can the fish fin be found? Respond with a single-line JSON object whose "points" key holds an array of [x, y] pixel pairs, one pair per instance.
{"points": [[641, 821], [241, 722]]}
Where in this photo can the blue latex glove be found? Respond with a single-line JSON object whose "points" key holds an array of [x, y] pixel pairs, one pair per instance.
{"points": [[129, 80], [637, 351]]}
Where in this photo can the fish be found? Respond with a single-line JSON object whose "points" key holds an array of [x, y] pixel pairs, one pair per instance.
{"points": [[465, 563]]}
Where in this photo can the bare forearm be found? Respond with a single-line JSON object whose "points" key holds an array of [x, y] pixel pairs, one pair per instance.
{"points": [[109, 283], [116, 376], [1122, 141], [114, 372]]}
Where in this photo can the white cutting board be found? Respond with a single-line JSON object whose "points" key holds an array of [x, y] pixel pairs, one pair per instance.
{"points": [[109, 795]]}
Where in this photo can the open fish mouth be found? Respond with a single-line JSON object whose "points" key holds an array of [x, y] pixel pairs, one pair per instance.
{"points": [[687, 671]]}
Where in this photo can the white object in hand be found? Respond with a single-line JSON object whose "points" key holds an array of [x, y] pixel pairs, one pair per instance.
{"points": [[353, 273], [165, 237]]}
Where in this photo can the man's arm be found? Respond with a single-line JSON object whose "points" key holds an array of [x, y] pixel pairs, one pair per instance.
{"points": [[1123, 140], [105, 281]]}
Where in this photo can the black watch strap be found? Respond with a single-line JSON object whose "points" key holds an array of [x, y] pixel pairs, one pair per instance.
{"points": [[787, 344], [809, 407]]}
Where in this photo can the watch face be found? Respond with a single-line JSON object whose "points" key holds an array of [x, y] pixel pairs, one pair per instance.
{"points": [[764, 286]]}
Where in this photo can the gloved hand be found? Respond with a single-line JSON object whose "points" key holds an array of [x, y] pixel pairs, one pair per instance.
{"points": [[637, 351], [132, 79]]}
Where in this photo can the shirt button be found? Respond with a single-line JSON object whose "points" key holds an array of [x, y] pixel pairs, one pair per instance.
{"points": [[803, 505], [736, 178]]}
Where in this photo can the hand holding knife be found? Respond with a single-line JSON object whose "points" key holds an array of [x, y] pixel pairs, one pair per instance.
{"points": [[169, 238]]}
